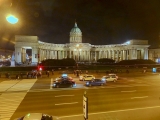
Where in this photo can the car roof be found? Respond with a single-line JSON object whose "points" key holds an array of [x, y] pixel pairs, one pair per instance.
{"points": [[37, 116], [112, 74], [33, 116], [105, 76], [97, 79]]}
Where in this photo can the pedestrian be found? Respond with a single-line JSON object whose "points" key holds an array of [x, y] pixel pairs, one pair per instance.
{"points": [[77, 73], [8, 76], [21, 76], [17, 77], [52, 71], [48, 73], [27, 75], [40, 74], [127, 71]]}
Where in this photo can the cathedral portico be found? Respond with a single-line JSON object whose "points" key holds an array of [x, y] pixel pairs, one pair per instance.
{"points": [[133, 49]]}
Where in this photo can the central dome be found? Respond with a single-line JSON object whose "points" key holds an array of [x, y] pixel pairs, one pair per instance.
{"points": [[75, 29], [75, 35]]}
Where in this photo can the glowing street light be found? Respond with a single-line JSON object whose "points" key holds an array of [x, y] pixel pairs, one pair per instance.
{"points": [[12, 19]]}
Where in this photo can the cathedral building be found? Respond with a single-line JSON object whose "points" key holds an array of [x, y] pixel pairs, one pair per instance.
{"points": [[76, 49]]}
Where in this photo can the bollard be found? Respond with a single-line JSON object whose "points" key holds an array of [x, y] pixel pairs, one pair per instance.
{"points": [[51, 83]]}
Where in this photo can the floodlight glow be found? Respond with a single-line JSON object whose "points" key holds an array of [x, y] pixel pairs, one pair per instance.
{"points": [[128, 42], [77, 45], [12, 19]]}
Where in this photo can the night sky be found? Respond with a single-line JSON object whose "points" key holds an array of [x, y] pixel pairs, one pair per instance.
{"points": [[101, 21]]}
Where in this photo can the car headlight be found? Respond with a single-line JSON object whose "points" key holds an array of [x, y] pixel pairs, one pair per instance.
{"points": [[54, 85], [87, 83]]}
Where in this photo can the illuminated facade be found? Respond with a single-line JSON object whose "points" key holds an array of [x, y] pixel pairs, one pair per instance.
{"points": [[76, 49], [154, 54]]}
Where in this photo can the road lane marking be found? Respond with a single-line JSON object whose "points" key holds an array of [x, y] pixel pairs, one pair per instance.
{"points": [[63, 95], [114, 111], [67, 103], [129, 91], [139, 97]]}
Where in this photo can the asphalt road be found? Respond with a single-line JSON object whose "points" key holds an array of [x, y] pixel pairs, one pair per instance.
{"points": [[133, 97]]}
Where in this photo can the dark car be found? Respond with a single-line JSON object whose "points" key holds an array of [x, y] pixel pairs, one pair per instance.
{"points": [[64, 83], [37, 116], [95, 82]]}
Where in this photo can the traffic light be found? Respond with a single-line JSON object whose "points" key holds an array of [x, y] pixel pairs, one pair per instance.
{"points": [[40, 68]]}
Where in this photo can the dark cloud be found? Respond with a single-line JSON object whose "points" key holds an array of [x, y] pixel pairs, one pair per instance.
{"points": [[101, 21]]}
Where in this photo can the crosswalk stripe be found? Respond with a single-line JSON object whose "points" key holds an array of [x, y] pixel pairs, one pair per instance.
{"points": [[12, 93]]}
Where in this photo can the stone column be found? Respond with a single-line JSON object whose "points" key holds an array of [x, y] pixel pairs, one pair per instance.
{"points": [[89, 56], [129, 54], [41, 55], [34, 55], [146, 53], [117, 55], [62, 54], [126, 54], [106, 54], [18, 51], [113, 54], [99, 55], [23, 55], [95, 57], [59, 54], [109, 54], [55, 52], [121, 55]]}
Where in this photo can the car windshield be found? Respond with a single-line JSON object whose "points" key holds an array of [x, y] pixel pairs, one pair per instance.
{"points": [[46, 117]]}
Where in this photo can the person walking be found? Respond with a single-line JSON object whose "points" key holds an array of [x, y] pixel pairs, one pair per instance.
{"points": [[52, 71], [17, 77], [48, 73], [21, 76]]}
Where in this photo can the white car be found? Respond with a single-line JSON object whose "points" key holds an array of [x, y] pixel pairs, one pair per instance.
{"points": [[109, 78], [86, 78], [113, 75], [37, 116]]}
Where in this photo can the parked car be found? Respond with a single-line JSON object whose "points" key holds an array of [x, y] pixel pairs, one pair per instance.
{"points": [[109, 78], [86, 78], [37, 116], [96, 82], [64, 83]]}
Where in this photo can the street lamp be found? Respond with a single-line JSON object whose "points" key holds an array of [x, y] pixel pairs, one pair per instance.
{"points": [[12, 19]]}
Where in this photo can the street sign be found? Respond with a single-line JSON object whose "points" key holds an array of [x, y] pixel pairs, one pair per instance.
{"points": [[85, 107]]}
